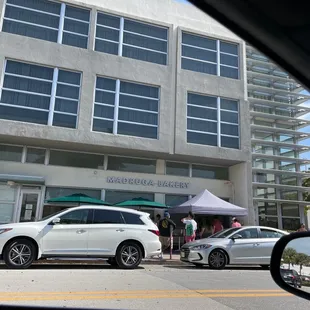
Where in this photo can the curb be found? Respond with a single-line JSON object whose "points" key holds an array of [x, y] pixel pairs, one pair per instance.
{"points": [[103, 262]]}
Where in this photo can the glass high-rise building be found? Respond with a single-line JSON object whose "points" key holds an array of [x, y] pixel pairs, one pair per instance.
{"points": [[279, 131]]}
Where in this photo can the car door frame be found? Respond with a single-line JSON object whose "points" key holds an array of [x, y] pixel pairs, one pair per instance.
{"points": [[119, 229], [242, 243], [64, 251], [267, 243]]}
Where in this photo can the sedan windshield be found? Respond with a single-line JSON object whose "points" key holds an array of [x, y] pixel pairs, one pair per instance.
{"points": [[225, 233]]}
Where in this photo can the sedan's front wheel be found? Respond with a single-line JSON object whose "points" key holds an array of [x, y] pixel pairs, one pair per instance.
{"points": [[19, 254], [217, 259]]}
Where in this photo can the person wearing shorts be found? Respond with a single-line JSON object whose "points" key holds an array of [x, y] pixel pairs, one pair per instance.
{"points": [[165, 227], [190, 227]]}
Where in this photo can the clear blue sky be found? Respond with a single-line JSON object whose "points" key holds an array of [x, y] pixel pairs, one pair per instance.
{"points": [[301, 245]]}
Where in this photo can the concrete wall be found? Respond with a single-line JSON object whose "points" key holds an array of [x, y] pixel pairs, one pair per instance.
{"points": [[174, 84], [97, 179], [171, 80]]}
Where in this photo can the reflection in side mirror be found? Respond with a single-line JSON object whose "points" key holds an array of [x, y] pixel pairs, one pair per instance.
{"points": [[56, 221], [295, 264]]}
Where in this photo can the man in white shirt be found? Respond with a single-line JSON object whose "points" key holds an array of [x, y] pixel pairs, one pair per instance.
{"points": [[190, 227]]}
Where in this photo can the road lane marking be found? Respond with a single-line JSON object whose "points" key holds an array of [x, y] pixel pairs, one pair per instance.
{"points": [[143, 291], [155, 294]]}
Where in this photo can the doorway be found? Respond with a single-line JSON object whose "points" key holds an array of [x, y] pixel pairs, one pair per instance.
{"points": [[29, 205]]}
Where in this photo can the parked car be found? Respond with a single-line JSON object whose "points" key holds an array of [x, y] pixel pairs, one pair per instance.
{"points": [[123, 236], [291, 277], [247, 245]]}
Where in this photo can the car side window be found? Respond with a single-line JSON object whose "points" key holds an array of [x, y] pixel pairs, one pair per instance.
{"points": [[107, 217], [132, 219], [248, 233], [74, 217], [268, 233]]}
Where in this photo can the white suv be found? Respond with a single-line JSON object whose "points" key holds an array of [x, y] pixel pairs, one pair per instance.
{"points": [[123, 236]]}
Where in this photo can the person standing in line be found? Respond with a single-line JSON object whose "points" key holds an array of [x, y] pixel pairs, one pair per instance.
{"points": [[190, 227], [235, 223], [216, 225], [302, 227], [165, 226]]}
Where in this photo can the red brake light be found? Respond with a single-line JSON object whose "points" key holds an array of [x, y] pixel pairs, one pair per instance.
{"points": [[156, 232]]}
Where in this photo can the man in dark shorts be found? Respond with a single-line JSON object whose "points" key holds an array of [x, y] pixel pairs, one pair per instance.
{"points": [[165, 227]]}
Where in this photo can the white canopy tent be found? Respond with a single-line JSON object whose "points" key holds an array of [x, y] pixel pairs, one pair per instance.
{"points": [[207, 203]]}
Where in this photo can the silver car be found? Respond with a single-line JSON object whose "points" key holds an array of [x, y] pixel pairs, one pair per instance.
{"points": [[247, 245]]}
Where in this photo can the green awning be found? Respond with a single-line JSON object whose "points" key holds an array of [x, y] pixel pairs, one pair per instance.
{"points": [[78, 198], [141, 202]]}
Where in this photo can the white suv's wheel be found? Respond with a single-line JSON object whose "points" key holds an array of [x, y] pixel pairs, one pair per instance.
{"points": [[129, 255], [19, 254]]}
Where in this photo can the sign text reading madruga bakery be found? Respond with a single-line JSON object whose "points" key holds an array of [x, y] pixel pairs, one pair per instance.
{"points": [[147, 182]]}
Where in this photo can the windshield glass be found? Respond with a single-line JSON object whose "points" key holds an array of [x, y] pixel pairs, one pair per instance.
{"points": [[286, 272], [225, 233]]}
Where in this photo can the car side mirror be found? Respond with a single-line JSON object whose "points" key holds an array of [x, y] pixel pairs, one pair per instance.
{"points": [[237, 236], [290, 261], [56, 221]]}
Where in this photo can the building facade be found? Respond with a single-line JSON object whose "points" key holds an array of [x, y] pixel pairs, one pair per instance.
{"points": [[118, 101], [279, 134]]}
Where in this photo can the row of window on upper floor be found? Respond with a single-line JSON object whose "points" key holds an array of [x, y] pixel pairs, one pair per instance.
{"points": [[54, 157], [70, 25], [51, 96], [271, 178], [275, 193]]}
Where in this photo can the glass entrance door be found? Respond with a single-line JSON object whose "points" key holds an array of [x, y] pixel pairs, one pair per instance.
{"points": [[29, 205]]}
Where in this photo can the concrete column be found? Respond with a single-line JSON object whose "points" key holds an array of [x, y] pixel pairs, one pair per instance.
{"points": [[92, 30], [160, 166], [86, 102], [161, 199], [241, 177]]}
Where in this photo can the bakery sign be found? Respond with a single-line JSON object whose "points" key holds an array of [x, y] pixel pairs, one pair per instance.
{"points": [[147, 182]]}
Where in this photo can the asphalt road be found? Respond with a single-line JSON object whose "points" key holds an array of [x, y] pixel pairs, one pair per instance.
{"points": [[149, 287]]}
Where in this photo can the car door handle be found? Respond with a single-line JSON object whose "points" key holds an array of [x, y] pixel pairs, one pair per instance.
{"points": [[81, 231], [256, 244], [120, 230]]}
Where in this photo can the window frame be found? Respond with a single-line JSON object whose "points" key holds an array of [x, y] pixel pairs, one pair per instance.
{"points": [[245, 229], [217, 51], [76, 152], [218, 121], [120, 42], [92, 217], [117, 107], [61, 22], [76, 210], [137, 215], [271, 230], [135, 158], [52, 96]]}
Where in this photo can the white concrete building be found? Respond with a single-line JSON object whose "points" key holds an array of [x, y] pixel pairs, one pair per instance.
{"points": [[119, 99]]}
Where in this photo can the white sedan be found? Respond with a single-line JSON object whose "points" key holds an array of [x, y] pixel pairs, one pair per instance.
{"points": [[247, 245], [123, 236]]}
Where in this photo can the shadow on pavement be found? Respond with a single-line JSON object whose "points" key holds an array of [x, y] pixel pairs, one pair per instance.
{"points": [[68, 267], [207, 268]]}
